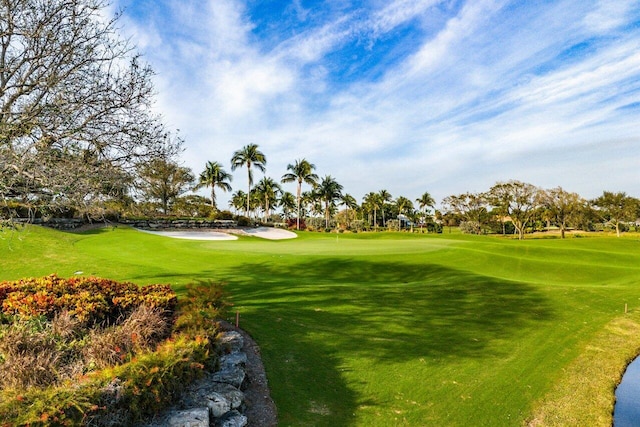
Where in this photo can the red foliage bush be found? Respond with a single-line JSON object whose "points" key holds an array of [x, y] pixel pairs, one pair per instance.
{"points": [[292, 224]]}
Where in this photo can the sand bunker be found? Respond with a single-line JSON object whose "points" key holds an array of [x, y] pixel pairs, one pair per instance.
{"points": [[193, 235], [262, 232], [270, 233]]}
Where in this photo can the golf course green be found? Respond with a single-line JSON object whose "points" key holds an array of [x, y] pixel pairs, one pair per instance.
{"points": [[382, 329]]}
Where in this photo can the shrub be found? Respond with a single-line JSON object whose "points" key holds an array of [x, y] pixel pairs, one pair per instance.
{"points": [[315, 224], [357, 225], [89, 299], [292, 223], [470, 227], [243, 221], [58, 368], [393, 224], [227, 215], [139, 332]]}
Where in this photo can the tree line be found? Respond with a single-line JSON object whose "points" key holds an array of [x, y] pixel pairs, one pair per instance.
{"points": [[78, 138], [512, 207]]}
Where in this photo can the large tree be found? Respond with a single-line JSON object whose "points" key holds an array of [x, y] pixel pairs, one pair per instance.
{"points": [[561, 206], [249, 156], [518, 200], [301, 172], [471, 208], [616, 208], [214, 176], [163, 180], [74, 103]]}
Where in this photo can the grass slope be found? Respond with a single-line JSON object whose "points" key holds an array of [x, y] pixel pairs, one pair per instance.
{"points": [[384, 329]]}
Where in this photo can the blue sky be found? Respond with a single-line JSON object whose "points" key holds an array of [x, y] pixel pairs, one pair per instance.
{"points": [[403, 95]]}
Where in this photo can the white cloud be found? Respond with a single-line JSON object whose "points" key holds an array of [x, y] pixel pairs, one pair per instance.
{"points": [[608, 15], [487, 97]]}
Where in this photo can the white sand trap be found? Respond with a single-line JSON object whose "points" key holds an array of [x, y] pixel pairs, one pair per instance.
{"points": [[270, 233], [193, 235]]}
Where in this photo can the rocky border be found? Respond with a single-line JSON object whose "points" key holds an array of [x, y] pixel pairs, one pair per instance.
{"points": [[260, 409], [236, 395]]}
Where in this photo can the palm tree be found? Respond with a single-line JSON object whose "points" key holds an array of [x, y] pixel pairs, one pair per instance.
{"points": [[268, 190], [372, 202], [288, 204], [249, 156], [385, 197], [349, 202], [425, 201], [310, 203], [402, 203], [214, 176], [301, 171], [238, 200], [328, 190]]}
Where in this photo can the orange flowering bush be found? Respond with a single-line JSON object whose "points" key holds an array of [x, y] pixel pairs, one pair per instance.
{"points": [[86, 298]]}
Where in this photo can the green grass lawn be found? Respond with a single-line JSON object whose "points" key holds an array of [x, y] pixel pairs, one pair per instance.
{"points": [[383, 329]]}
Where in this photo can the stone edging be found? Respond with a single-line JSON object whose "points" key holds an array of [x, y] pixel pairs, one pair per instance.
{"points": [[233, 396]]}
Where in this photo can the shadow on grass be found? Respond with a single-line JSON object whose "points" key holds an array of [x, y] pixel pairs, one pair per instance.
{"points": [[314, 315]]}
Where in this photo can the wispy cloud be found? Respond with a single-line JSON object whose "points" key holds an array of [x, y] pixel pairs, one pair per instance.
{"points": [[411, 96]]}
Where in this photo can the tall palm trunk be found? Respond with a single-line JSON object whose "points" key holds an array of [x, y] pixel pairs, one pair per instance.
{"points": [[298, 195], [326, 215], [248, 188]]}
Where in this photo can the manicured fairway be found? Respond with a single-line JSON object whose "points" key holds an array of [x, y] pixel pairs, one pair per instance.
{"points": [[383, 329]]}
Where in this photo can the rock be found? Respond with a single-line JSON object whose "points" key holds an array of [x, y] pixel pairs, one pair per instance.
{"points": [[233, 375], [232, 419], [235, 398], [232, 394], [198, 417], [234, 360], [218, 404], [231, 342]]}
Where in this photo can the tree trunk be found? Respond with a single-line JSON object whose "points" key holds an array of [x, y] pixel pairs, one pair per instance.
{"points": [[326, 216], [298, 205]]}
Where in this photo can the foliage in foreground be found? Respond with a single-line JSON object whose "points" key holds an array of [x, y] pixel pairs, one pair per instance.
{"points": [[124, 355]]}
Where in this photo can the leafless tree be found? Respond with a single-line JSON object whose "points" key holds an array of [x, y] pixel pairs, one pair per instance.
{"points": [[75, 103]]}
